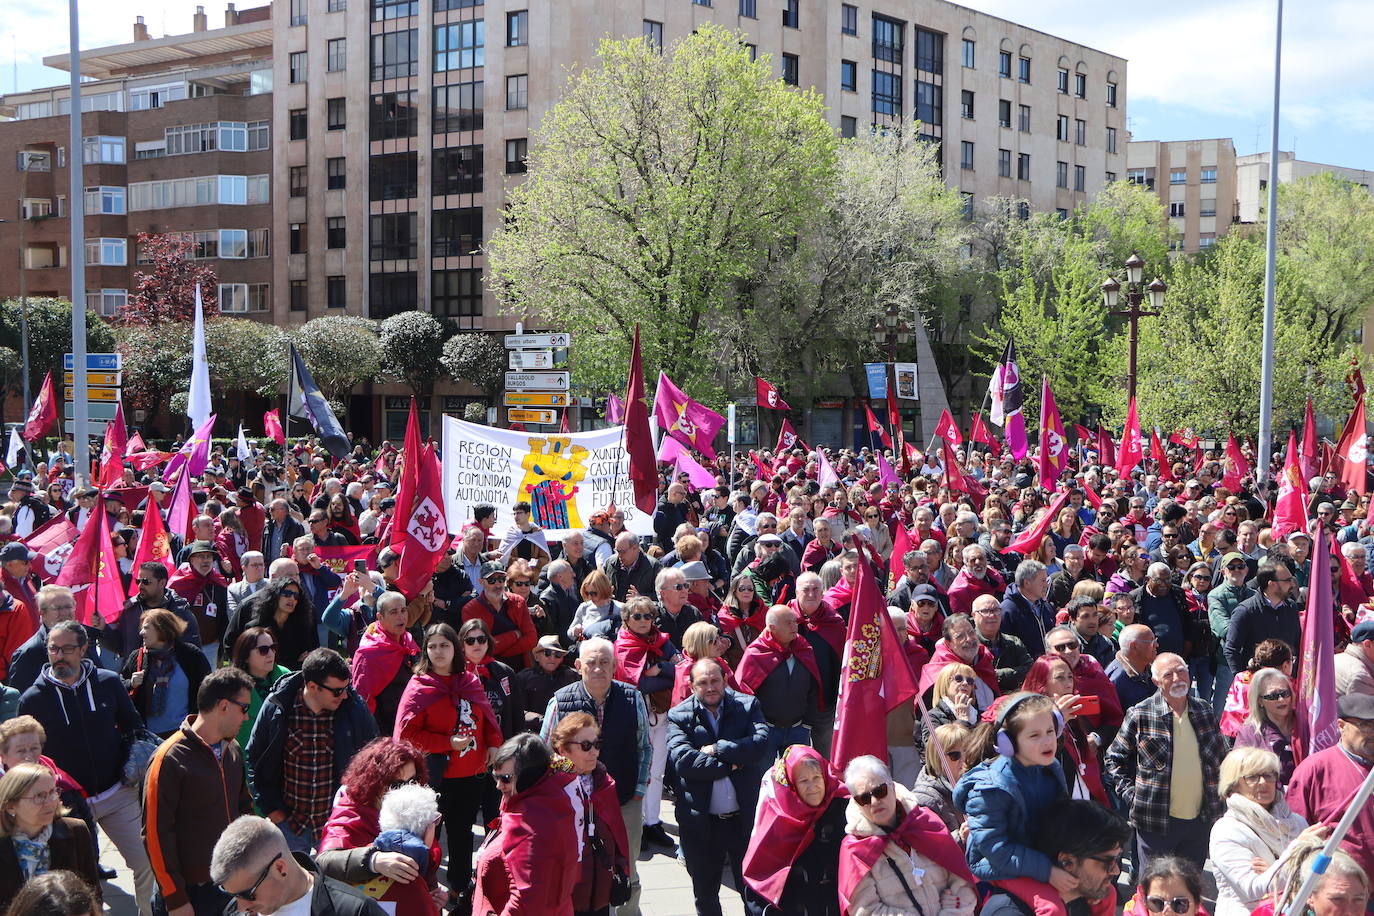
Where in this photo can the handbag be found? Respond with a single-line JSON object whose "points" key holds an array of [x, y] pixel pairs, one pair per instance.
{"points": [[620, 880], [141, 746]]}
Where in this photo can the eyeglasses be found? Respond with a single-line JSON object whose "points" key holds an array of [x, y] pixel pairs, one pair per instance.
{"points": [[520, 583], [744, 588], [243, 706], [679, 586], [336, 691], [42, 798], [72, 649], [587, 746], [475, 640], [290, 593], [495, 580], [1280, 694], [1255, 779], [866, 798], [1065, 647], [265, 650], [1203, 576], [962, 679], [252, 893], [642, 616], [1235, 566], [1177, 904]]}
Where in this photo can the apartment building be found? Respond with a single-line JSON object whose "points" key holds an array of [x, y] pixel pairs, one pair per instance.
{"points": [[1195, 179], [176, 138], [1252, 179]]}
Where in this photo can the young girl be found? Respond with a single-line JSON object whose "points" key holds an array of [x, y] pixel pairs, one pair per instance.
{"points": [[1004, 798]]}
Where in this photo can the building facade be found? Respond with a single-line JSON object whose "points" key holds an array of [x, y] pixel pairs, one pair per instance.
{"points": [[1252, 179], [1195, 180]]}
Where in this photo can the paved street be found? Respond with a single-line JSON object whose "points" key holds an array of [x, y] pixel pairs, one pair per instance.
{"points": [[667, 889]]}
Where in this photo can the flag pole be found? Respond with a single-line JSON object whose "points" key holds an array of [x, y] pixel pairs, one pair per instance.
{"points": [[290, 396], [1319, 862], [968, 452], [1270, 270]]}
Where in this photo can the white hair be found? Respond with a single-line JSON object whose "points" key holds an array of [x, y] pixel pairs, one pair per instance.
{"points": [[387, 599], [1155, 570], [1074, 549], [866, 765], [1161, 659], [411, 807], [1353, 549], [595, 644], [661, 580], [557, 567]]}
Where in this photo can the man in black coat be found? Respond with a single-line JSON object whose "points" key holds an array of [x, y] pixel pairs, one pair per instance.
{"points": [[1268, 614], [280, 531]]}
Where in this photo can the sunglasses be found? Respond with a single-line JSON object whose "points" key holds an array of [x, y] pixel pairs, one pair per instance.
{"points": [[335, 691], [475, 640], [252, 893], [1177, 904], [1234, 566], [587, 746], [504, 779], [146, 581], [244, 706], [679, 587], [642, 616], [1281, 694], [290, 593], [520, 583], [495, 580], [962, 679], [954, 755], [866, 798], [265, 650], [548, 653]]}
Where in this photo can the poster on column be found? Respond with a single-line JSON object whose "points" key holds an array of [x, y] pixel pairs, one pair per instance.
{"points": [[564, 477]]}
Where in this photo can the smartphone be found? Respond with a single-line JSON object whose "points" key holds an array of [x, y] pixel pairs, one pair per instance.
{"points": [[360, 567], [1089, 706]]}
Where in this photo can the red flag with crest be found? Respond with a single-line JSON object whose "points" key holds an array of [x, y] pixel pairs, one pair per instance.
{"points": [[981, 433], [1030, 539], [1352, 451], [787, 437], [154, 546], [1131, 453], [423, 529], [767, 396], [43, 414], [92, 572], [53, 545], [405, 493], [956, 479], [948, 430], [1290, 509], [875, 427], [1160, 456]]}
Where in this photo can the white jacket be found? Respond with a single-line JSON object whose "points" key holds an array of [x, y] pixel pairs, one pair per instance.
{"points": [[881, 893], [1234, 844]]}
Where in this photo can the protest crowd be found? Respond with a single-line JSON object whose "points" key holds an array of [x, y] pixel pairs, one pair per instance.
{"points": [[993, 677]]}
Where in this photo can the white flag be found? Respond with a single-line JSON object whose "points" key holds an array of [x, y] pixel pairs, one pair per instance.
{"points": [[243, 450], [198, 404], [16, 447]]}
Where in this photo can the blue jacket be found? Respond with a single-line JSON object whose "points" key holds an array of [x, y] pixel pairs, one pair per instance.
{"points": [[1002, 820], [86, 723], [1026, 621], [741, 737], [353, 727]]}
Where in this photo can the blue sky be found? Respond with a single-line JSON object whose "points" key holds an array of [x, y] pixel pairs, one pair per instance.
{"points": [[1197, 68]]}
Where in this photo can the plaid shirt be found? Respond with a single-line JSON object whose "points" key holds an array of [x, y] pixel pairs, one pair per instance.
{"points": [[1140, 761], [308, 767]]}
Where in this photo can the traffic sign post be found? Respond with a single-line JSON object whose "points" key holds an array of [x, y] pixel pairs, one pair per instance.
{"points": [[519, 341], [532, 392], [93, 394], [538, 381], [522, 415], [102, 362], [102, 375], [98, 379], [537, 359], [535, 399]]}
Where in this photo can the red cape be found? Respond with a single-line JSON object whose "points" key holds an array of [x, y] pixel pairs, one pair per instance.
{"points": [[632, 653], [983, 665], [730, 621], [921, 830], [765, 653], [682, 677], [783, 827], [374, 668], [188, 583], [424, 690], [826, 623]]}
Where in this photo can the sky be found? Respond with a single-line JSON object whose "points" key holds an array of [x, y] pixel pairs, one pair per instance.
{"points": [[1197, 69]]}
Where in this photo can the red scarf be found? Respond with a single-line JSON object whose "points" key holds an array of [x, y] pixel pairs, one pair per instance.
{"points": [[188, 583], [730, 620], [424, 690], [983, 665], [378, 658], [783, 828], [682, 677], [825, 623], [479, 669], [921, 830], [766, 653], [634, 653]]}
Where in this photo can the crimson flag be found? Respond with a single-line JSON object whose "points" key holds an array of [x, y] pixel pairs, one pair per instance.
{"points": [[118, 429], [894, 422], [875, 678], [1092, 496], [1054, 456], [1235, 464], [1131, 453], [1199, 458], [1082, 433], [1184, 437], [1309, 455], [1352, 450], [1030, 539], [92, 572], [1159, 456], [876, 427], [271, 421], [1290, 509], [956, 479], [53, 545], [767, 396], [901, 544], [787, 437], [639, 441], [765, 472], [423, 529], [410, 456], [947, 429], [981, 433], [1316, 678], [1106, 449], [154, 546], [144, 460], [43, 414]]}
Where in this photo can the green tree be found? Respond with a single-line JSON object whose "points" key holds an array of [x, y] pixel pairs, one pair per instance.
{"points": [[479, 358], [245, 355], [342, 352], [157, 362], [1326, 231], [412, 346], [50, 336], [659, 190]]}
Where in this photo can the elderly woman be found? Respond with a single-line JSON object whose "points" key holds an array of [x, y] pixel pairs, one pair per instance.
{"points": [[529, 863], [164, 674], [1253, 840], [645, 659], [1343, 890], [381, 666], [1273, 716], [890, 840], [576, 739], [34, 836], [1271, 653], [953, 699], [945, 763], [792, 865]]}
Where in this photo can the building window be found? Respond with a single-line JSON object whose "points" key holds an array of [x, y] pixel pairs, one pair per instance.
{"points": [[516, 151], [653, 33], [298, 13], [1004, 64], [394, 9], [966, 154], [336, 291], [1003, 113], [259, 135], [296, 64], [1111, 139], [108, 302], [393, 115], [1209, 176], [929, 105], [517, 92], [1004, 163], [1061, 174], [887, 93], [395, 55], [335, 174], [336, 114], [1080, 86], [1206, 240], [1023, 70], [1023, 166], [930, 51], [1109, 177], [337, 55], [790, 66], [849, 76], [1177, 208], [393, 237], [1062, 81], [35, 207], [458, 107], [889, 39], [1061, 128], [392, 176], [1207, 206], [966, 200], [749, 9], [791, 14], [260, 294], [233, 297], [1139, 176], [336, 6], [970, 52], [233, 243], [334, 233], [97, 150], [1111, 95], [1023, 118], [456, 233], [517, 28], [457, 293], [296, 180], [849, 127], [1178, 176], [103, 200], [849, 19], [1080, 178], [107, 252], [296, 240], [259, 243], [966, 103], [300, 295], [389, 294], [1080, 132], [460, 46], [297, 123], [457, 170]]}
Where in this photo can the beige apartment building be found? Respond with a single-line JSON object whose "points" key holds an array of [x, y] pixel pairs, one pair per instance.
{"points": [[1195, 180], [1252, 179]]}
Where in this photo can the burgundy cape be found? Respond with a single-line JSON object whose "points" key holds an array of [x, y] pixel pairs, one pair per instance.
{"points": [[921, 830], [633, 653], [783, 827], [765, 653], [826, 623], [983, 665], [424, 690], [377, 660]]}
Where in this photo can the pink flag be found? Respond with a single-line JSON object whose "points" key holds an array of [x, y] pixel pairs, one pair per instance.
{"points": [[195, 453], [886, 474], [1290, 509], [672, 452], [1309, 456], [1030, 539], [615, 408], [1317, 675], [1131, 453], [1054, 454], [679, 416], [181, 509], [1236, 465], [948, 430], [901, 546], [875, 679], [1007, 397], [825, 474], [271, 422]]}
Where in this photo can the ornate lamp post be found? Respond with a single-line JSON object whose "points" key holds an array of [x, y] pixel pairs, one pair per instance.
{"points": [[1136, 291]]}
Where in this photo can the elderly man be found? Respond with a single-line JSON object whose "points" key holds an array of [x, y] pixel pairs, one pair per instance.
{"points": [[280, 531], [506, 616], [959, 645], [630, 568], [574, 552], [719, 744], [1129, 671], [1163, 607], [1324, 783], [1089, 678], [1075, 570], [199, 583], [254, 578], [1269, 614], [1026, 611], [915, 571], [976, 578], [1355, 666], [675, 614], [1165, 764], [1009, 655], [824, 629], [780, 670], [625, 749], [560, 600]]}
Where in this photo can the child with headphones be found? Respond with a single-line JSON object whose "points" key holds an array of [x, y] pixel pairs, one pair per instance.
{"points": [[1005, 798]]}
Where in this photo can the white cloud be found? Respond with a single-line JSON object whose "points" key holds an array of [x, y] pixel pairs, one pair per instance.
{"points": [[39, 29]]}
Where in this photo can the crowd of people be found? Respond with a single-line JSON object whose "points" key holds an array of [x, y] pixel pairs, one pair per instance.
{"points": [[256, 730]]}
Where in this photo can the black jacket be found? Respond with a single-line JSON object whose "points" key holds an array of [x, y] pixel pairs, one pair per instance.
{"points": [[30, 658], [327, 896], [193, 664], [290, 530], [641, 575], [740, 737], [1011, 660], [122, 637], [70, 849], [87, 725], [1253, 621]]}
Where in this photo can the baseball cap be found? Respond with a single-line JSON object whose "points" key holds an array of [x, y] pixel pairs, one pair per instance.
{"points": [[491, 568], [15, 551], [1232, 556]]}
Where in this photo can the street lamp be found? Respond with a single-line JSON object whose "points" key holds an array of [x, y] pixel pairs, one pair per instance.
{"points": [[1136, 292]]}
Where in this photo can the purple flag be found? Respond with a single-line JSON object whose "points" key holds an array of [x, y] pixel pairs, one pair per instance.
{"points": [[684, 419], [1007, 397], [885, 473], [615, 409]]}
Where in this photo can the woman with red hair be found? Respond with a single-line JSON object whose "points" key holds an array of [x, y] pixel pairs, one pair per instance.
{"points": [[1052, 676]]}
